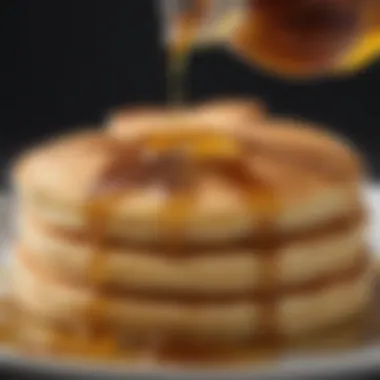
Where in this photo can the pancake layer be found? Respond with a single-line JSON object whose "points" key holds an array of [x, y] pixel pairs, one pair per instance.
{"points": [[297, 312], [301, 258]]}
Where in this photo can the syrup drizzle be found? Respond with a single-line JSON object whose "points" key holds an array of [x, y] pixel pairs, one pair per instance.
{"points": [[177, 172], [125, 173]]}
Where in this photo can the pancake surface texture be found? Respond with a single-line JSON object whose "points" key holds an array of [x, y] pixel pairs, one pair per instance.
{"points": [[218, 223]]}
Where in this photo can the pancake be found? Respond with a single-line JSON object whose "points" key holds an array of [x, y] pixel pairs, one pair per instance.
{"points": [[297, 312], [218, 112], [175, 222], [202, 270], [314, 178]]}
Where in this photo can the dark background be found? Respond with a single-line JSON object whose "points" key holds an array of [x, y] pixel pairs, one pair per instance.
{"points": [[349, 104], [65, 62]]}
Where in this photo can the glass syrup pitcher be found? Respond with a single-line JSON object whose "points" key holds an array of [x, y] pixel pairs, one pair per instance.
{"points": [[286, 37]]}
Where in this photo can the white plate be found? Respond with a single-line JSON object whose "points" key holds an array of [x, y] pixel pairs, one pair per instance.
{"points": [[344, 362]]}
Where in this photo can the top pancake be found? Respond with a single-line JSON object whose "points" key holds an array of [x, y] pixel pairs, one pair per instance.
{"points": [[232, 174], [217, 112]]}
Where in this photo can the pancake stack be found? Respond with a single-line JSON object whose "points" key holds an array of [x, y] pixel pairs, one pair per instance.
{"points": [[180, 228]]}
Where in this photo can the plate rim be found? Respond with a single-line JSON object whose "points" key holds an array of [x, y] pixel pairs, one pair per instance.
{"points": [[351, 361]]}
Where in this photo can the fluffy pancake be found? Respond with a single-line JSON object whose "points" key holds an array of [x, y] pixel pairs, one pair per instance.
{"points": [[175, 221], [296, 312], [313, 178], [201, 270]]}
